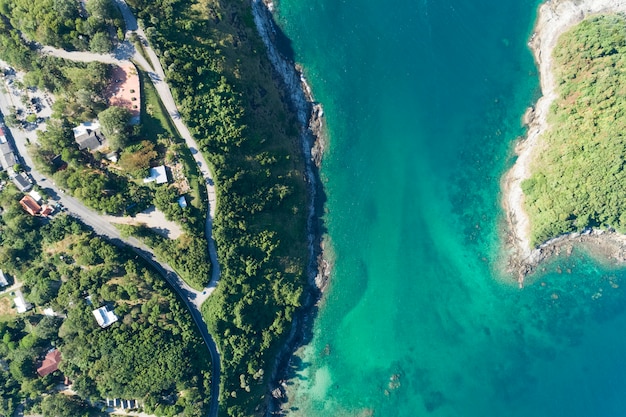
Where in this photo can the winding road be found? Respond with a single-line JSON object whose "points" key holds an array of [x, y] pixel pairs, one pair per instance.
{"points": [[193, 299]]}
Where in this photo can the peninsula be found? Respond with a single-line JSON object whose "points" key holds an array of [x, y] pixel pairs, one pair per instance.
{"points": [[564, 186]]}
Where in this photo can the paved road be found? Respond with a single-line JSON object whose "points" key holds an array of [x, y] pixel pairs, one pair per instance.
{"points": [[127, 51], [193, 299]]}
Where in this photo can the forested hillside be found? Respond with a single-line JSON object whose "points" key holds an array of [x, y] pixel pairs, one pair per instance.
{"points": [[579, 179], [153, 353], [65, 24], [222, 80]]}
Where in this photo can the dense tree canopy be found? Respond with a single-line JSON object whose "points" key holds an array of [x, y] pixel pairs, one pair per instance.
{"points": [[114, 122], [153, 353], [61, 23], [223, 82], [578, 178]]}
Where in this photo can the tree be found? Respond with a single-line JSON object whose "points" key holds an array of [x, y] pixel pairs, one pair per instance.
{"points": [[114, 122], [63, 406], [136, 159], [100, 43]]}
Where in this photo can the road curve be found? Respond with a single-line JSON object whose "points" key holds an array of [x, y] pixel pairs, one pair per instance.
{"points": [[126, 51], [192, 298]]}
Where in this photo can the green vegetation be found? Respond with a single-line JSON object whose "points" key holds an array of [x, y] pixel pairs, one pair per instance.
{"points": [[115, 121], [62, 23], [578, 178], [222, 80], [114, 188], [153, 353], [188, 254]]}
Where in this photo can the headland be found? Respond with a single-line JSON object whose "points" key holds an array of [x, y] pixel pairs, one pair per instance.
{"points": [[554, 18]]}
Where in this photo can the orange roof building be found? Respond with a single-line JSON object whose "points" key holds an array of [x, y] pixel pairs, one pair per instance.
{"points": [[30, 205], [50, 363]]}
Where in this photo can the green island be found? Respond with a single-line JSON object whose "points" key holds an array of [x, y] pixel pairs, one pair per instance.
{"points": [[578, 173], [229, 97]]}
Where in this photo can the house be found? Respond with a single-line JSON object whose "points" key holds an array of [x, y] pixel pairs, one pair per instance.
{"points": [[104, 317], [58, 163], [30, 205], [125, 91], [22, 182], [88, 136], [21, 305], [50, 363], [46, 210], [112, 156], [157, 174], [7, 157], [182, 202], [3, 279], [36, 196]]}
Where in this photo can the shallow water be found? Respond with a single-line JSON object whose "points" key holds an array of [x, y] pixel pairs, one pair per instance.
{"points": [[423, 102]]}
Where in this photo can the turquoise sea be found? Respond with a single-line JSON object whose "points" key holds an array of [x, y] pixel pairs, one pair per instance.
{"points": [[423, 103]]}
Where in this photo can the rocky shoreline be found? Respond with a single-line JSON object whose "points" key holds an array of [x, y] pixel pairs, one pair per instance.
{"points": [[554, 18], [310, 115]]}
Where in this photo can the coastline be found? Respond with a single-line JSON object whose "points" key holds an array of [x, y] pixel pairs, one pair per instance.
{"points": [[310, 115], [554, 18]]}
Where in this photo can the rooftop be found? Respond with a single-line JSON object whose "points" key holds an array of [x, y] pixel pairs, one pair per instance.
{"points": [[157, 174], [88, 136], [7, 157], [30, 205], [21, 305], [35, 195], [50, 363], [104, 317], [22, 182]]}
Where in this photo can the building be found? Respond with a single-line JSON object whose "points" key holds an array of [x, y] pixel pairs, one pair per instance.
{"points": [[3, 279], [58, 164], [157, 174], [125, 90], [46, 210], [22, 182], [7, 157], [88, 136], [182, 202], [36, 196], [21, 305], [30, 205], [104, 317], [50, 363]]}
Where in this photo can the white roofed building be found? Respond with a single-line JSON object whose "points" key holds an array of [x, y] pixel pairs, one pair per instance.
{"points": [[104, 317], [157, 174], [3, 279], [21, 305]]}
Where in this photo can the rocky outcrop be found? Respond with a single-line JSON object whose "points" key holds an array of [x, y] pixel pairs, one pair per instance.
{"points": [[310, 115]]}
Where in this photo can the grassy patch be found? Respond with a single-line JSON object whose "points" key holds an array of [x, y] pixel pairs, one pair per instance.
{"points": [[154, 118], [7, 312]]}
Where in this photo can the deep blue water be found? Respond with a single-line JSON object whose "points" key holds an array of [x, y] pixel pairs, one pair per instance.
{"points": [[423, 103]]}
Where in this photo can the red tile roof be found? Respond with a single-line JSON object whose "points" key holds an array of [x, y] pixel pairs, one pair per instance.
{"points": [[30, 205], [50, 363]]}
